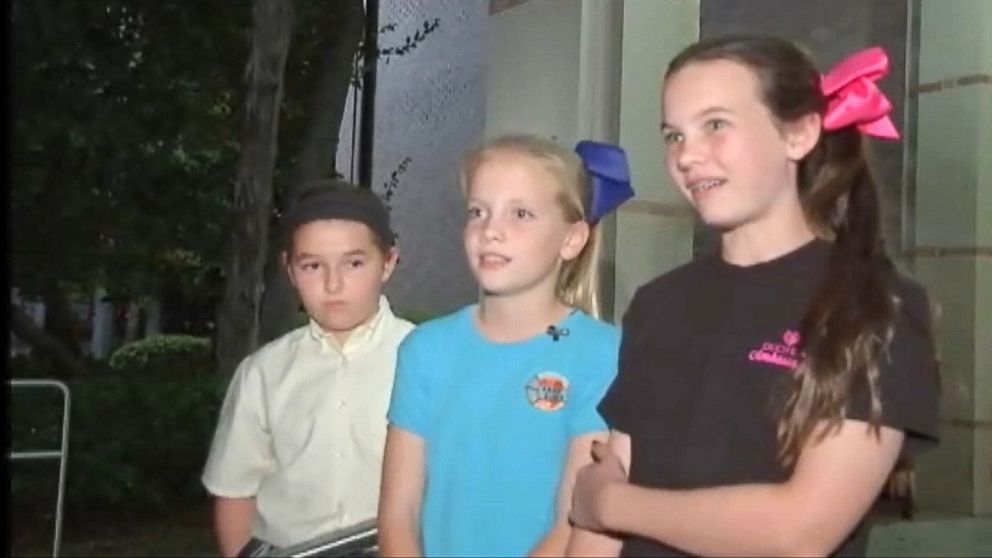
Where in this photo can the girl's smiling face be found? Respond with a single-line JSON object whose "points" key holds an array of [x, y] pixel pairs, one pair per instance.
{"points": [[730, 157]]}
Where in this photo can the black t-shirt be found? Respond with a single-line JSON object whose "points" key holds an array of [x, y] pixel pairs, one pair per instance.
{"points": [[706, 365]]}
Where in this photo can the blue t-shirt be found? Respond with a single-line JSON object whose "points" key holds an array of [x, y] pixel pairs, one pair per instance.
{"points": [[497, 419]]}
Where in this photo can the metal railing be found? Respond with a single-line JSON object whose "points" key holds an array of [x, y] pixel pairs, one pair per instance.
{"points": [[61, 454]]}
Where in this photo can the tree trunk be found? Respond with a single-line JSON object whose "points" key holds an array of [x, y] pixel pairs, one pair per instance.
{"points": [[237, 319], [101, 327], [153, 316], [28, 331], [133, 322], [320, 144]]}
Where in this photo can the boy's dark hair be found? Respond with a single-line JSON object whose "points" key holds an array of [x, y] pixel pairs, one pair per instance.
{"points": [[336, 199]]}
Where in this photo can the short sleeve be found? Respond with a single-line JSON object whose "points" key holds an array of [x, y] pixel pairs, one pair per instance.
{"points": [[618, 405], [909, 380], [410, 401], [586, 418], [241, 451]]}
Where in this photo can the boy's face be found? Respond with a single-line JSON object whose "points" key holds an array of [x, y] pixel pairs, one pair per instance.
{"points": [[338, 271]]}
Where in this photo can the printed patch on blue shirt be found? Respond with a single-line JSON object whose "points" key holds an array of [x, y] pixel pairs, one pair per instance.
{"points": [[547, 391]]}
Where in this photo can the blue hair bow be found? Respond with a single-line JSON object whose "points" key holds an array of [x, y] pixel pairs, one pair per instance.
{"points": [[610, 175]]}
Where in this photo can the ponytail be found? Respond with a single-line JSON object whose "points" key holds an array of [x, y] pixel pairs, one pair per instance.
{"points": [[578, 281], [848, 326]]}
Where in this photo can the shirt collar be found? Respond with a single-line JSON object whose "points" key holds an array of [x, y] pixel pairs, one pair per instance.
{"points": [[365, 334]]}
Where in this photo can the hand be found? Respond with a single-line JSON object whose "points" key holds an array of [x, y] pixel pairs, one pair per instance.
{"points": [[590, 483]]}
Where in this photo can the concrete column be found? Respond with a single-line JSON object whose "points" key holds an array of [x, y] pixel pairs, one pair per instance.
{"points": [[598, 114], [553, 70], [953, 257], [592, 70], [532, 69], [654, 230]]}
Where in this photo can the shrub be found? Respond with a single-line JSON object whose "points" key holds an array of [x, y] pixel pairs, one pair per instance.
{"points": [[141, 442], [137, 443], [164, 354]]}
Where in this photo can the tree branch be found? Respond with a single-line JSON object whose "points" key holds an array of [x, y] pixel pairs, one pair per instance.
{"points": [[26, 330]]}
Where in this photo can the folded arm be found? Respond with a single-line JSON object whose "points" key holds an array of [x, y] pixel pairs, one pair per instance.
{"points": [[583, 542], [832, 487]]}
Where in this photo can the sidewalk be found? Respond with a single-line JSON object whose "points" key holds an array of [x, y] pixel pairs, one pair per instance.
{"points": [[933, 536]]}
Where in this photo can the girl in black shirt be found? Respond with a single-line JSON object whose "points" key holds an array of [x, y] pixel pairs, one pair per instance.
{"points": [[765, 392]]}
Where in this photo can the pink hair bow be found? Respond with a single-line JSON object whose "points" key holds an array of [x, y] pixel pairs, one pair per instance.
{"points": [[855, 99]]}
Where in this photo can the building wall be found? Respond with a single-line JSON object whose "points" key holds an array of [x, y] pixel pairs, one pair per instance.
{"points": [[430, 106], [953, 257]]}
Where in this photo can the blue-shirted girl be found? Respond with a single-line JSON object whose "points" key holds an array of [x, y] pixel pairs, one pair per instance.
{"points": [[494, 406]]}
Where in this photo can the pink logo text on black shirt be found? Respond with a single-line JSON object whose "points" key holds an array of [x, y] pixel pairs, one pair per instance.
{"points": [[784, 354]]}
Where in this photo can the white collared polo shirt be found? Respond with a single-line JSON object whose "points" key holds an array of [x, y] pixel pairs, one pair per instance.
{"points": [[303, 427]]}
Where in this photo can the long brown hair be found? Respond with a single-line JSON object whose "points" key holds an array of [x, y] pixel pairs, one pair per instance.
{"points": [[578, 281], [849, 323]]}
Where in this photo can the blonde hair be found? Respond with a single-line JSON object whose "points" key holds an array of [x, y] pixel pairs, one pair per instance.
{"points": [[578, 279]]}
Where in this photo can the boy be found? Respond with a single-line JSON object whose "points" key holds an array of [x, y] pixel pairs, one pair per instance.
{"points": [[298, 447]]}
